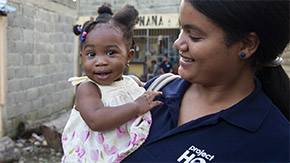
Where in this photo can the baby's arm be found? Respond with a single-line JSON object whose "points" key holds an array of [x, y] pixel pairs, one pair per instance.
{"points": [[100, 118]]}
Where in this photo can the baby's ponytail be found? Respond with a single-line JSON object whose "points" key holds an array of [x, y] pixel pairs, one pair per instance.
{"points": [[128, 16], [105, 9], [105, 13], [77, 29]]}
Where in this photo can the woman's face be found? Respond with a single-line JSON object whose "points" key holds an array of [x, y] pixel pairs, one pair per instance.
{"points": [[205, 58], [104, 54]]}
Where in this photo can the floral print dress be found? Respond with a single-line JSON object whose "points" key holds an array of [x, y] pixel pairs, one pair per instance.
{"points": [[81, 144]]}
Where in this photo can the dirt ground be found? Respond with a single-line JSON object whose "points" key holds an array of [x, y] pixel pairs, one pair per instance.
{"points": [[40, 155], [36, 150]]}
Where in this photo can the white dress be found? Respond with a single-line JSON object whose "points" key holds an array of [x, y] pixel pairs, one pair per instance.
{"points": [[81, 144]]}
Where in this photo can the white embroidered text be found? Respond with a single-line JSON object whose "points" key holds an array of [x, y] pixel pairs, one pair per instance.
{"points": [[194, 154]]}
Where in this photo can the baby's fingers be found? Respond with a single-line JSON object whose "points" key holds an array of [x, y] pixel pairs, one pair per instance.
{"points": [[154, 94], [157, 93], [156, 103]]}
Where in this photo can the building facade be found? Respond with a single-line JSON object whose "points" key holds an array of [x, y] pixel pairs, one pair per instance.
{"points": [[156, 32], [37, 58]]}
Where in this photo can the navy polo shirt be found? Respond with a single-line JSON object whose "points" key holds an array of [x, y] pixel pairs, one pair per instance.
{"points": [[166, 67], [253, 130]]}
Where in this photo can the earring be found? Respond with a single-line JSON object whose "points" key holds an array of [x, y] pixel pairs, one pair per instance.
{"points": [[127, 65], [180, 51], [242, 55]]}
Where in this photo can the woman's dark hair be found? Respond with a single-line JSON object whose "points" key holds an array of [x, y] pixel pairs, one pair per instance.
{"points": [[125, 19], [269, 19]]}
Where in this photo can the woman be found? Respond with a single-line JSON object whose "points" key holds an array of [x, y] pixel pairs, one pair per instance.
{"points": [[226, 105]]}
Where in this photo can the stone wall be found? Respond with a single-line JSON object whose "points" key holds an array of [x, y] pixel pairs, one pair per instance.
{"points": [[40, 59]]}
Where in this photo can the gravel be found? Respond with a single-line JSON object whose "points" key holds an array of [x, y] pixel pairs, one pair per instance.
{"points": [[36, 150]]}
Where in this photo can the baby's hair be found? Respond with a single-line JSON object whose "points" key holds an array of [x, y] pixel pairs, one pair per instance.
{"points": [[125, 19]]}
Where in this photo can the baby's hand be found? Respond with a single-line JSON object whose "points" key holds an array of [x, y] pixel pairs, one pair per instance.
{"points": [[145, 102]]}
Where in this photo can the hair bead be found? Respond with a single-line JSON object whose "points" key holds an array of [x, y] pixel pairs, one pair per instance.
{"points": [[83, 36], [79, 28]]}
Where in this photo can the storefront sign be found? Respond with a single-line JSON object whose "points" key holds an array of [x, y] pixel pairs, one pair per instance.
{"points": [[148, 21], [155, 21]]}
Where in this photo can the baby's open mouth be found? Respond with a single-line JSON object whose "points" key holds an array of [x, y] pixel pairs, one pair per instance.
{"points": [[102, 74]]}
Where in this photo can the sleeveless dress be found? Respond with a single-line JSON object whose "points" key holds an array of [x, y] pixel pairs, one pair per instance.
{"points": [[81, 144]]}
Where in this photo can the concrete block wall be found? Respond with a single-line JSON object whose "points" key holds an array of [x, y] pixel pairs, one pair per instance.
{"points": [[40, 59], [89, 7]]}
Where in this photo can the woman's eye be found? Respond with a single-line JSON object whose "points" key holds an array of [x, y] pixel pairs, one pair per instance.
{"points": [[109, 53], [91, 54], [194, 38]]}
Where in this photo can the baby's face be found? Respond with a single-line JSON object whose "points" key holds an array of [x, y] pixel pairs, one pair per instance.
{"points": [[104, 54]]}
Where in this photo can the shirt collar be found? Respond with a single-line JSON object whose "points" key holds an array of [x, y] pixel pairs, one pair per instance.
{"points": [[250, 112]]}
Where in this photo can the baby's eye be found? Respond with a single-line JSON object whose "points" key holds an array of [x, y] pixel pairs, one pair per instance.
{"points": [[109, 53], [91, 54]]}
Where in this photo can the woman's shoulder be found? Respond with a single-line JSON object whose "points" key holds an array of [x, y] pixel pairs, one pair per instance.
{"points": [[277, 119], [167, 82]]}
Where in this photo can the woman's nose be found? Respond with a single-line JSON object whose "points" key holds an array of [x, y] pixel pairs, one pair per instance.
{"points": [[180, 43]]}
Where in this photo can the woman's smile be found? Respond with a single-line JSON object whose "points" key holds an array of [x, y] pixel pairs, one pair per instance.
{"points": [[186, 59]]}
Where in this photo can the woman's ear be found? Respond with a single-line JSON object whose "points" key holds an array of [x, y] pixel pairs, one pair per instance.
{"points": [[250, 44]]}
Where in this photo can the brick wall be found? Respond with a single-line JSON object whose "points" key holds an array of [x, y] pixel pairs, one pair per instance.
{"points": [[40, 59]]}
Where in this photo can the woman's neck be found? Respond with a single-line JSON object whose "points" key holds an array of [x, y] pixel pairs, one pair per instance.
{"points": [[223, 95], [227, 91], [199, 100]]}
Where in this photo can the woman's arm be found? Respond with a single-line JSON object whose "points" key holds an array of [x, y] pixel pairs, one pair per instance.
{"points": [[101, 118]]}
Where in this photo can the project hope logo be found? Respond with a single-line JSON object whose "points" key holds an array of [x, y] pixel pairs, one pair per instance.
{"points": [[195, 155]]}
